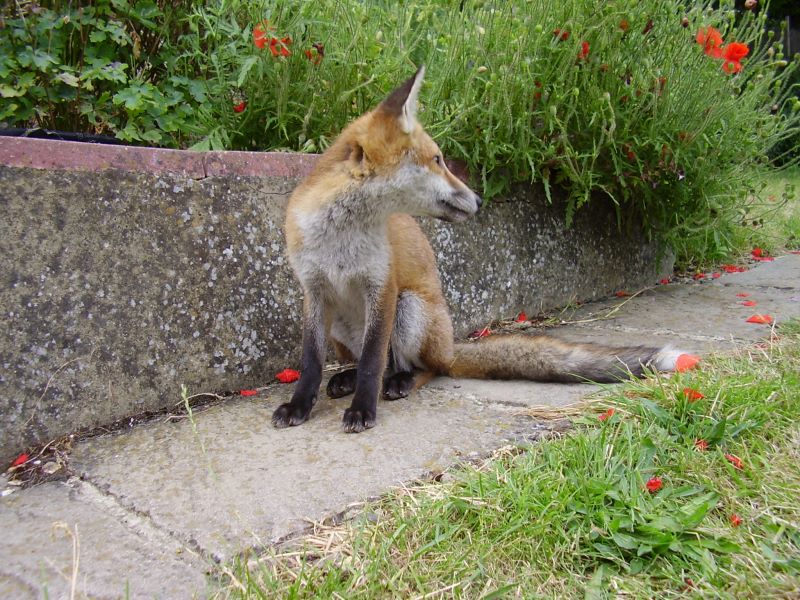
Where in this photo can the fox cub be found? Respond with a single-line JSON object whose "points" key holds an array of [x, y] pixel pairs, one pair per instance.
{"points": [[371, 283]]}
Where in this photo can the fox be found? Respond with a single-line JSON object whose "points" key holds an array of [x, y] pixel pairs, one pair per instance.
{"points": [[371, 284]]}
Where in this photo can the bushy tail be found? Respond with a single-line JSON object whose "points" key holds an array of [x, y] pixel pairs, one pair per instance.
{"points": [[542, 358]]}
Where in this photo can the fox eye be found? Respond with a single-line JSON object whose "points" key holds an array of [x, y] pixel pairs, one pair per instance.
{"points": [[438, 159]]}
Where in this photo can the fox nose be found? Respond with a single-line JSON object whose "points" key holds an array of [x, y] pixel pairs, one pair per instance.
{"points": [[478, 200]]}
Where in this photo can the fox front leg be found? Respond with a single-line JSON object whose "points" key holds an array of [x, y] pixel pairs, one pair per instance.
{"points": [[296, 411], [372, 364]]}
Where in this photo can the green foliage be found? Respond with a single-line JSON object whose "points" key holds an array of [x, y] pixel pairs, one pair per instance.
{"points": [[621, 104], [99, 67]]}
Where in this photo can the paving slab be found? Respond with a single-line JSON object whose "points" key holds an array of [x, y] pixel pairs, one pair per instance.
{"points": [[233, 481], [116, 557]]}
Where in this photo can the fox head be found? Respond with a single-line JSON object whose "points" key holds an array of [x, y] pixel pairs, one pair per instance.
{"points": [[400, 165]]}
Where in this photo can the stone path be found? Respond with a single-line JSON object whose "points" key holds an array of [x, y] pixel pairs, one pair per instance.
{"points": [[149, 511]]}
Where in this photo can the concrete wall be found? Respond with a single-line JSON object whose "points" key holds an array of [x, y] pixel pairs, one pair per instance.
{"points": [[128, 272]]}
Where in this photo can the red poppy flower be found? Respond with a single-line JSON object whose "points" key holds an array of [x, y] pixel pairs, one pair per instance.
{"points": [[735, 51], [757, 252], [711, 40], [280, 47], [731, 67], [584, 51], [561, 34], [664, 281], [686, 362], [760, 319], [701, 445], [735, 520], [623, 24], [748, 303], [606, 415], [20, 460], [288, 376], [692, 395], [647, 27], [315, 53], [654, 484], [521, 317], [735, 461], [260, 34], [237, 108], [248, 392]]}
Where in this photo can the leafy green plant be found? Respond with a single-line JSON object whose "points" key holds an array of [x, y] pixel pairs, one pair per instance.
{"points": [[95, 67]]}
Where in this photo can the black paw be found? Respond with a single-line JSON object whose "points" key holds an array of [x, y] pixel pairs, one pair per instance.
{"points": [[357, 420], [398, 385], [289, 414], [342, 383]]}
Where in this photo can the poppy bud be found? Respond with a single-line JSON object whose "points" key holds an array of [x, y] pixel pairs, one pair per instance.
{"points": [[685, 22], [750, 4]]}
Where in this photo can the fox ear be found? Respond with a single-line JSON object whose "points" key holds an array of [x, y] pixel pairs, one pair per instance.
{"points": [[402, 103]]}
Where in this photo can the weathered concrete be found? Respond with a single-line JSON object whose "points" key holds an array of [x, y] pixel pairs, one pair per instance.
{"points": [[238, 484], [130, 271], [56, 529]]}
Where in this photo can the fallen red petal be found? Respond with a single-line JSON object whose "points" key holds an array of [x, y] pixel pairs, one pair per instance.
{"points": [[716, 275], [692, 394], [735, 461], [757, 252], [621, 294], [701, 445], [699, 275], [606, 415], [248, 392], [742, 295], [664, 281], [749, 303], [730, 268], [763, 258], [481, 333], [522, 317], [654, 484], [686, 362], [735, 519], [794, 251], [20, 460], [288, 376], [760, 319]]}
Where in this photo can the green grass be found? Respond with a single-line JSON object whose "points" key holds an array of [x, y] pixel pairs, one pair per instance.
{"points": [[571, 517]]}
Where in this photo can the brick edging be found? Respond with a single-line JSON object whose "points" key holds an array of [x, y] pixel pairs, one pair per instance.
{"points": [[81, 156]]}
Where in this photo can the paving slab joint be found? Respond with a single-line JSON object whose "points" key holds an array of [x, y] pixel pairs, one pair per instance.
{"points": [[136, 521]]}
